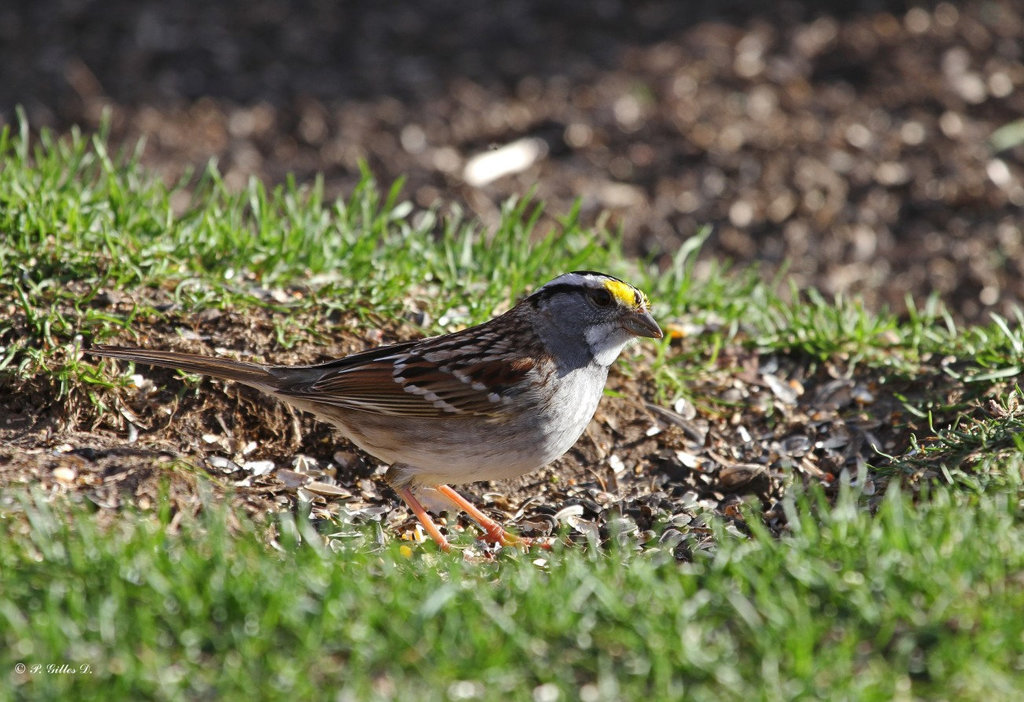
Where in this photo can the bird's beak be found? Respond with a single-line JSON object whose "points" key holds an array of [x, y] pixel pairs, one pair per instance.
{"points": [[641, 323]]}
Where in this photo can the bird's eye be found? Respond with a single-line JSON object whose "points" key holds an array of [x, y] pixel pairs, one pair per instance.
{"points": [[601, 298]]}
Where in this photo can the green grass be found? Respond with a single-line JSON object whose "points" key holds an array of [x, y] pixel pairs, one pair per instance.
{"points": [[916, 600], [73, 224], [915, 595]]}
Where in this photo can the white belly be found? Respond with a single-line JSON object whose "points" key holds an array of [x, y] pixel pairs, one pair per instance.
{"points": [[429, 451]]}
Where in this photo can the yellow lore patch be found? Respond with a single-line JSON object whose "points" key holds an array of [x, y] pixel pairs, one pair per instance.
{"points": [[625, 294]]}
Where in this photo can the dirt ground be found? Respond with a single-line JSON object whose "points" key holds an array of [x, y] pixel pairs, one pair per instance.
{"points": [[872, 147]]}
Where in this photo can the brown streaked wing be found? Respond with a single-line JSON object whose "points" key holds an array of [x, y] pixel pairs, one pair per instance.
{"points": [[419, 388]]}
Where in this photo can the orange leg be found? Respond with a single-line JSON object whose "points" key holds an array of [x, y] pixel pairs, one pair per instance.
{"points": [[421, 514], [493, 533]]}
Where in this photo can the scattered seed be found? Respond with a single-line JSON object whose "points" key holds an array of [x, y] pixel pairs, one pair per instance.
{"points": [[589, 529], [64, 475], [681, 519], [225, 465], [783, 392], [861, 395], [564, 514], [736, 476], [327, 489], [670, 538], [258, 468], [304, 464], [291, 479], [795, 445], [838, 439], [688, 459]]}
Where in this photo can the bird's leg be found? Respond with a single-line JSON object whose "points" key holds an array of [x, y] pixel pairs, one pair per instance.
{"points": [[493, 532], [417, 508]]}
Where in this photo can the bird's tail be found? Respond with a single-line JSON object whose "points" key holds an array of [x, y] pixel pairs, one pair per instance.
{"points": [[251, 374]]}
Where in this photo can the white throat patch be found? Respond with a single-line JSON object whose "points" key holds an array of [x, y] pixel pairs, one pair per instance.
{"points": [[606, 343]]}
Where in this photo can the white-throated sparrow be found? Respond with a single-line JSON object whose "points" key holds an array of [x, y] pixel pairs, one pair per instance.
{"points": [[493, 401]]}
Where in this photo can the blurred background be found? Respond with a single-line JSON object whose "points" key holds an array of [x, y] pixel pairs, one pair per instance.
{"points": [[870, 146]]}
